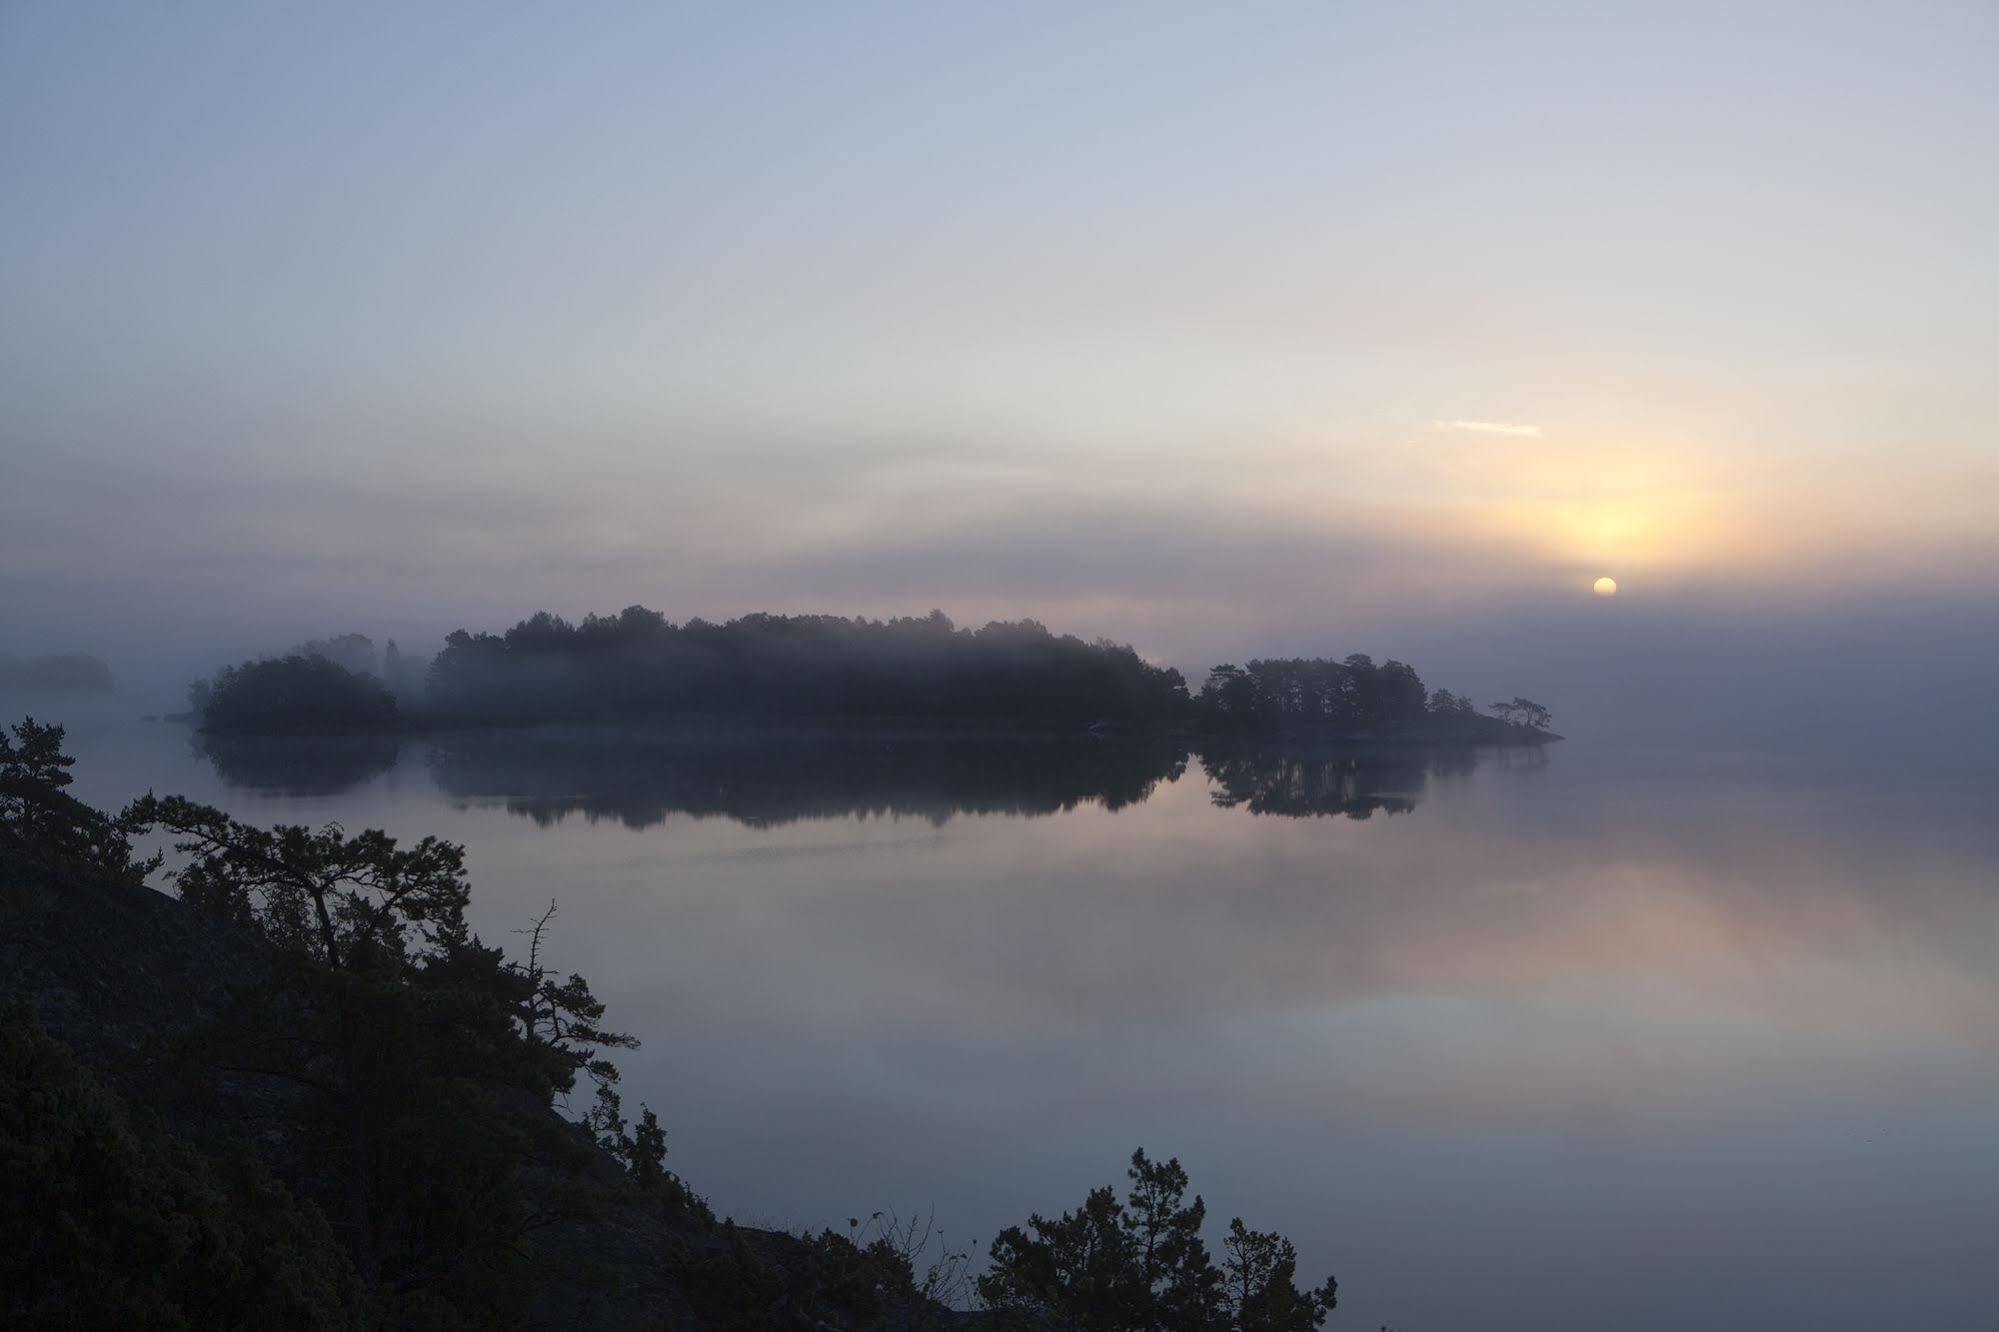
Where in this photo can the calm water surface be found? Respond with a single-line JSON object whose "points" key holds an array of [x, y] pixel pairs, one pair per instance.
{"points": [[1574, 1039]]}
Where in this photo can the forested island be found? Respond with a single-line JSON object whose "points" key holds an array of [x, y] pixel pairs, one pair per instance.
{"points": [[301, 1093], [637, 665]]}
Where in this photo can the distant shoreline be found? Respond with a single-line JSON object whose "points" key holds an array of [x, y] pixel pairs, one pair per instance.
{"points": [[1003, 678]]}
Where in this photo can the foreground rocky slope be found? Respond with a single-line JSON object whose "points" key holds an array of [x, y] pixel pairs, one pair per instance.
{"points": [[136, 984]]}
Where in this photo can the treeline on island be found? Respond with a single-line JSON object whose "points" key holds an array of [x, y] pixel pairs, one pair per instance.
{"points": [[638, 665], [306, 1094]]}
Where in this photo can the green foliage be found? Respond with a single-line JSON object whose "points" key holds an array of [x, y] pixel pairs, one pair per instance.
{"points": [[305, 693], [108, 1225], [1142, 1266]]}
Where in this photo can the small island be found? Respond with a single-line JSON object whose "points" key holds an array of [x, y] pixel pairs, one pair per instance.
{"points": [[637, 665]]}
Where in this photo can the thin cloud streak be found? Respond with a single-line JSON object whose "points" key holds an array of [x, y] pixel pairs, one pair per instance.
{"points": [[1490, 427]]}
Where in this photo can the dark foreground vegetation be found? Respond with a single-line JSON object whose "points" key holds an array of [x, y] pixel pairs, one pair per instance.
{"points": [[637, 665], [1142, 1263], [305, 1095]]}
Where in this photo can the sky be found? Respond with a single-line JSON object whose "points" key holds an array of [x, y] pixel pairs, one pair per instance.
{"points": [[1222, 330]]}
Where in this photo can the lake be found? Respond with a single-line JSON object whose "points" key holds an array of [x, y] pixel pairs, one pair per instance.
{"points": [[1577, 1037]]}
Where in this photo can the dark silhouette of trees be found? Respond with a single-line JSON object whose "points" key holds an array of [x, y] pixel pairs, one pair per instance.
{"points": [[1176, 1282], [1353, 694], [39, 817], [298, 694], [408, 1036], [1443, 703], [638, 664], [366, 906], [1142, 1266], [1357, 698], [1524, 712], [33, 774], [1077, 1266], [1239, 697], [564, 1019], [340, 900], [1260, 1284]]}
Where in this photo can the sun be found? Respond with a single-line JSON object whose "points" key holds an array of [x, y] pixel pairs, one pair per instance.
{"points": [[1606, 587]]}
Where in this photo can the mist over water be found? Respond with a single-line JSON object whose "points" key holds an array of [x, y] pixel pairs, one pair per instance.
{"points": [[1582, 1036]]}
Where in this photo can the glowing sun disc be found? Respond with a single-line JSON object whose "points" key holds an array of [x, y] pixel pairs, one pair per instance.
{"points": [[1606, 587]]}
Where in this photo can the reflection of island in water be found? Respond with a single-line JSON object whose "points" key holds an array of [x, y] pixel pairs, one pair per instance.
{"points": [[297, 765], [769, 777], [1302, 779]]}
